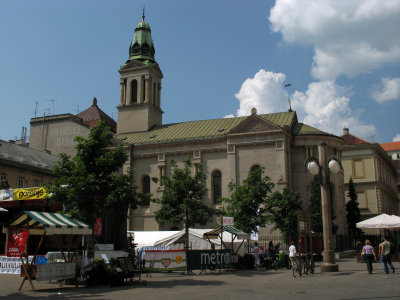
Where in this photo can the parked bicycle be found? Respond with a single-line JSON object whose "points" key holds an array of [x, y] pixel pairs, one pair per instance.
{"points": [[304, 264], [309, 265], [298, 266]]}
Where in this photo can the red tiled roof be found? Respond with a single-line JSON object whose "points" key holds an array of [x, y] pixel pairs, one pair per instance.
{"points": [[94, 115], [350, 139], [391, 146]]}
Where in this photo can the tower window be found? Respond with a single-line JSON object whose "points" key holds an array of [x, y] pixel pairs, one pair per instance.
{"points": [[134, 88], [146, 188], [217, 186]]}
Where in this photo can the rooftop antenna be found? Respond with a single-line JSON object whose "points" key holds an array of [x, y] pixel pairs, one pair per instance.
{"points": [[36, 105], [372, 138], [52, 100], [290, 104], [46, 109], [77, 108]]}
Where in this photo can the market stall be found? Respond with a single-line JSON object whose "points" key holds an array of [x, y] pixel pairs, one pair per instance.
{"points": [[44, 224], [237, 236]]}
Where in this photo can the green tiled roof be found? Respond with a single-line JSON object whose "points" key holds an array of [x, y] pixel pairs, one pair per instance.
{"points": [[304, 129], [199, 130]]}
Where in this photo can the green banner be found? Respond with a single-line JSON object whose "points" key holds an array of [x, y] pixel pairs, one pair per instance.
{"points": [[209, 259]]}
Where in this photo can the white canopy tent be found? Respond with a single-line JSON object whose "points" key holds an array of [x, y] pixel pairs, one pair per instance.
{"points": [[197, 241], [380, 222], [148, 238]]}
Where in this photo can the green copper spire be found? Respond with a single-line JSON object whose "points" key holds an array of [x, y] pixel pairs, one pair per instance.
{"points": [[142, 47]]}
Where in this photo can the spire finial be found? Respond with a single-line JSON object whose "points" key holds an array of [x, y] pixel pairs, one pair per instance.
{"points": [[290, 103], [143, 16]]}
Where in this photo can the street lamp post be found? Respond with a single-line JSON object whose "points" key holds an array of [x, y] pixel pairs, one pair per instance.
{"points": [[323, 169]]}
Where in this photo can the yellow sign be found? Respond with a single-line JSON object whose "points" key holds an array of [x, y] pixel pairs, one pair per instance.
{"points": [[30, 194], [178, 259]]}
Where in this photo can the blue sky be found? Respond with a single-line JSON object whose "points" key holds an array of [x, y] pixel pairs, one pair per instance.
{"points": [[219, 58]]}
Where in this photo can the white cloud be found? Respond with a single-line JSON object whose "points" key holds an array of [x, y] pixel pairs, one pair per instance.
{"points": [[264, 92], [389, 90], [349, 37], [396, 138], [325, 105]]}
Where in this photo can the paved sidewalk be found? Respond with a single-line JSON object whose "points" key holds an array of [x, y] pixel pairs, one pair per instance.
{"points": [[351, 282]]}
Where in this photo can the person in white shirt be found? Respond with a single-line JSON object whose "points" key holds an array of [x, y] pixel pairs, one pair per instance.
{"points": [[292, 253]]}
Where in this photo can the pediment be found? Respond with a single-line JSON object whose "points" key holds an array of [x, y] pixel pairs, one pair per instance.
{"points": [[254, 123]]}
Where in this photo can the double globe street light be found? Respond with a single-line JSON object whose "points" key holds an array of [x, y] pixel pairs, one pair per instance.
{"points": [[323, 167]]}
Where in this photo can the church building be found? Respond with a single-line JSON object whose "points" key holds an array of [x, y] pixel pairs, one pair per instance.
{"points": [[227, 148]]}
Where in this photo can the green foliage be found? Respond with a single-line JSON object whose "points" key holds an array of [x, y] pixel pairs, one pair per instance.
{"points": [[315, 208], [246, 202], [353, 212], [282, 209], [182, 194], [87, 183]]}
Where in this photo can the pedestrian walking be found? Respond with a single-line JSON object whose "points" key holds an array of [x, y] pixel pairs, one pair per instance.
{"points": [[256, 255], [368, 254], [385, 256], [292, 253]]}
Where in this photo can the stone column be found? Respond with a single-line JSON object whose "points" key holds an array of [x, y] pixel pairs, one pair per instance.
{"points": [[147, 91], [122, 91], [328, 264]]}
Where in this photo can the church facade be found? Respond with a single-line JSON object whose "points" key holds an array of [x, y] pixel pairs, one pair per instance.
{"points": [[227, 148]]}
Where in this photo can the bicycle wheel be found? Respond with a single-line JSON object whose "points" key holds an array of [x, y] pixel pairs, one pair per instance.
{"points": [[312, 266], [297, 271], [275, 265]]}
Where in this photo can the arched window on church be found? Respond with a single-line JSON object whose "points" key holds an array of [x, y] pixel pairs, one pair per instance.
{"points": [[146, 188], [154, 94], [216, 186], [256, 167], [134, 88]]}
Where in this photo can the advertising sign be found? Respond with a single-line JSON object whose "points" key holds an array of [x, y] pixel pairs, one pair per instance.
{"points": [[209, 259], [30, 194], [227, 221], [98, 226], [6, 195], [16, 241], [11, 265], [165, 260]]}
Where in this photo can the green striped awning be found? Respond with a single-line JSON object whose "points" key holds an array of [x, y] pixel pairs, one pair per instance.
{"points": [[51, 223], [214, 234]]}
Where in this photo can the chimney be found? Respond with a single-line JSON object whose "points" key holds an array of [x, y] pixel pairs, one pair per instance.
{"points": [[345, 131]]}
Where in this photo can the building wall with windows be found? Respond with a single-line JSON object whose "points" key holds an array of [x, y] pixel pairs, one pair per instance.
{"points": [[374, 176], [25, 167]]}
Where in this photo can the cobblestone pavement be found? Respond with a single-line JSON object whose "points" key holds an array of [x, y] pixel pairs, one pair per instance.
{"points": [[351, 282]]}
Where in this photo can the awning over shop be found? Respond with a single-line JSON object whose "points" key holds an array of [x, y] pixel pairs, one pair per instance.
{"points": [[51, 223], [214, 234]]}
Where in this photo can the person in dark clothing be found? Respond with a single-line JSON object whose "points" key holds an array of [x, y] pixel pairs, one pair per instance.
{"points": [[369, 255]]}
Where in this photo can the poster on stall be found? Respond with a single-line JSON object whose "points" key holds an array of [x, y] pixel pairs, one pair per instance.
{"points": [[17, 239], [11, 265], [56, 271], [165, 260]]}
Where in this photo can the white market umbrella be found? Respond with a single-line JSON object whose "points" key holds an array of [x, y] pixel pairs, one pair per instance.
{"points": [[380, 221]]}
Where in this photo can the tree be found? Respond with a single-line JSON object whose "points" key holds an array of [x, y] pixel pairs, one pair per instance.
{"points": [[282, 209], [353, 212], [87, 183], [247, 201], [181, 199], [315, 207]]}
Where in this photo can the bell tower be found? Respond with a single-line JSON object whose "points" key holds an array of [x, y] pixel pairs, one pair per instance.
{"points": [[140, 81]]}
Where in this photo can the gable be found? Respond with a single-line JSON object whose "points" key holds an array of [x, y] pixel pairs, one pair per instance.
{"points": [[255, 124]]}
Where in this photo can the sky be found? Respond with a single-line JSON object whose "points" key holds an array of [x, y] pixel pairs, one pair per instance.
{"points": [[220, 58]]}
